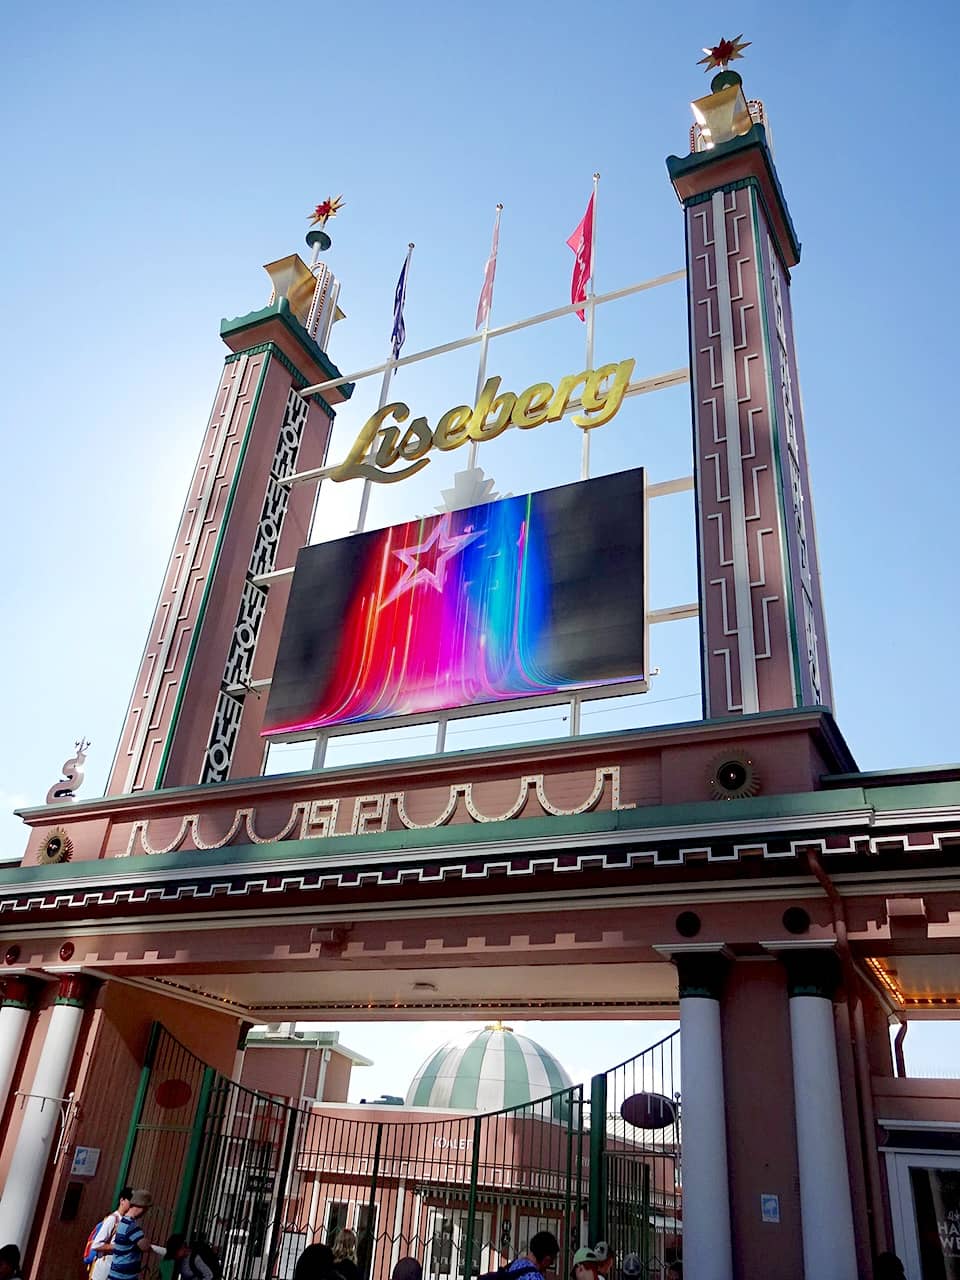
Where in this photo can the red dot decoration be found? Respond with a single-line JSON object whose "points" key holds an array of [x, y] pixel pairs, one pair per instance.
{"points": [[12, 954], [173, 1094], [67, 950]]}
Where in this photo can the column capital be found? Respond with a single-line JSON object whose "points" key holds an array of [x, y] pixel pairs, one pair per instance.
{"points": [[811, 971], [75, 989], [701, 968], [19, 991]]}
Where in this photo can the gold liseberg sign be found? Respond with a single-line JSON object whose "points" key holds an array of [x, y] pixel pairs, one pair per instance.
{"points": [[494, 412]]}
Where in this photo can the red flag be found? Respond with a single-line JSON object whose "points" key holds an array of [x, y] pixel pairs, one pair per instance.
{"points": [[581, 242], [486, 293]]}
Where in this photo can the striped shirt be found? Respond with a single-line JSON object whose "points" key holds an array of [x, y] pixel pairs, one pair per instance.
{"points": [[127, 1258]]}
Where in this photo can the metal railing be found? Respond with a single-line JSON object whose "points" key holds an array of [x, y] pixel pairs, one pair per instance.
{"points": [[260, 1179]]}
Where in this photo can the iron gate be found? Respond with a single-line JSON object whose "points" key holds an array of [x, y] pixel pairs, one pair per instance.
{"points": [[635, 1195], [260, 1179]]}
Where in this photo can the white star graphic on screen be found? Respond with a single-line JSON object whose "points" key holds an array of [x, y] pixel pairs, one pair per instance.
{"points": [[425, 564]]}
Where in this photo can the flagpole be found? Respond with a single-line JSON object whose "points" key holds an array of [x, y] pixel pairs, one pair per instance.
{"points": [[384, 395], [591, 309], [484, 341]]}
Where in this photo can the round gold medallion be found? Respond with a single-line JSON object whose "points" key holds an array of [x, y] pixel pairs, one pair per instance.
{"points": [[57, 847]]}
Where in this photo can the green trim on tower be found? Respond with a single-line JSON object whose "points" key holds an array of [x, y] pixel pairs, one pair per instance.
{"points": [[425, 1086], [740, 184], [211, 573], [775, 431], [280, 309], [755, 138], [466, 1083], [282, 358]]}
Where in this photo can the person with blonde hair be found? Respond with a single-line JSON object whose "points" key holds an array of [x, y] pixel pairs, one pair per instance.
{"points": [[345, 1254]]}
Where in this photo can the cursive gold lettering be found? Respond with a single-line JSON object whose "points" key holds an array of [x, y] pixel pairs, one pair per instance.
{"points": [[532, 406], [380, 445], [489, 402], [417, 440], [451, 430], [601, 402]]}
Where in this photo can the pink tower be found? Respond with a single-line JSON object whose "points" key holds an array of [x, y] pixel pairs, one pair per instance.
{"points": [[762, 628], [194, 715]]}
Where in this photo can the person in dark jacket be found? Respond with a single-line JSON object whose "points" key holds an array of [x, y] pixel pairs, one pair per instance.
{"points": [[315, 1263], [407, 1269], [9, 1262]]}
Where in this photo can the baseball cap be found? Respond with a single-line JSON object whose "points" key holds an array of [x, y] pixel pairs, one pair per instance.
{"points": [[585, 1254], [141, 1199], [632, 1266]]}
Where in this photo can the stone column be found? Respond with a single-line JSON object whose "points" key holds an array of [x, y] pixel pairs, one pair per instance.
{"points": [[43, 1114], [16, 1005], [706, 1197], [829, 1247]]}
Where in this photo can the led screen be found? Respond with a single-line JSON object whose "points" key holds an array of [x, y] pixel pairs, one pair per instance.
{"points": [[516, 598]]}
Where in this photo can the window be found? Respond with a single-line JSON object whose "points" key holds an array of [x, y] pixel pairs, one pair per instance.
{"points": [[337, 1211]]}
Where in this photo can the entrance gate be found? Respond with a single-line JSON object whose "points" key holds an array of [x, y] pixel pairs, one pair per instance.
{"points": [[260, 1179]]}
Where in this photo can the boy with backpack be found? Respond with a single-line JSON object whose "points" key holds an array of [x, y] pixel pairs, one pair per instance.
{"points": [[540, 1257], [97, 1250]]}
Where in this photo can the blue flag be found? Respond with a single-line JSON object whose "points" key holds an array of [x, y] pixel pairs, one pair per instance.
{"points": [[399, 334]]}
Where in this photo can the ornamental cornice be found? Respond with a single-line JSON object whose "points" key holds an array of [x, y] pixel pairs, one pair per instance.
{"points": [[158, 880]]}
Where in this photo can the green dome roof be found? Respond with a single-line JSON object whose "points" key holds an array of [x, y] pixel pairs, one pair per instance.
{"points": [[487, 1070]]}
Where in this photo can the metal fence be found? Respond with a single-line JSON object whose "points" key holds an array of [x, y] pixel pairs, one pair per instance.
{"points": [[635, 1196], [260, 1179]]}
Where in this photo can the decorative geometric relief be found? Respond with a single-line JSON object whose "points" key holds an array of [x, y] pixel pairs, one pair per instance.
{"points": [[291, 433], [239, 666], [253, 603], [223, 737], [813, 655], [796, 480], [275, 502]]}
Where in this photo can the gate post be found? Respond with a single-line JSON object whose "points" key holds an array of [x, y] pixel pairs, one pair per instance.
{"points": [[563, 1262], [598, 1130], [283, 1179], [372, 1207], [145, 1071], [472, 1202], [182, 1212]]}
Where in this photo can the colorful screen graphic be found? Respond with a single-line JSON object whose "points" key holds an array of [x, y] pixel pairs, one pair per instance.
{"points": [[516, 598]]}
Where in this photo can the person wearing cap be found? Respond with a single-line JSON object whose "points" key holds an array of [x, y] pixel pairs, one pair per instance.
{"points": [[586, 1263], [606, 1256], [129, 1241], [632, 1266]]}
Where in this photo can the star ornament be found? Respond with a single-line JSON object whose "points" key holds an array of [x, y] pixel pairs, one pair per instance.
{"points": [[327, 209], [722, 54], [425, 564]]}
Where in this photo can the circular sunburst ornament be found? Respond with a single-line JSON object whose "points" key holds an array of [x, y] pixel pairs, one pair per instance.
{"points": [[58, 847], [719, 56], [326, 210], [733, 776]]}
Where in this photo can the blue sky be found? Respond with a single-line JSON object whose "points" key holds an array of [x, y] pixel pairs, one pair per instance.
{"points": [[156, 156]]}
